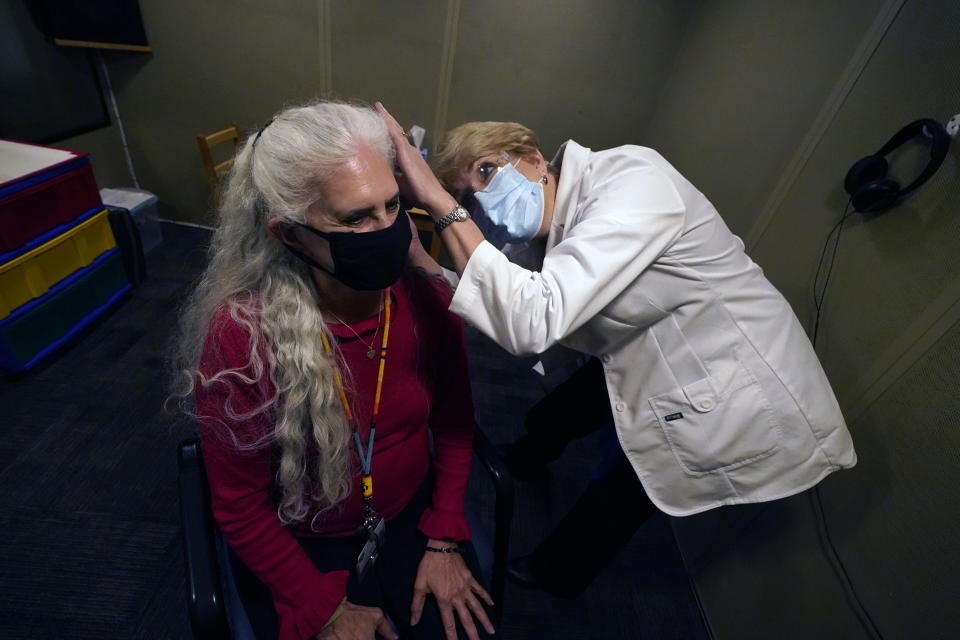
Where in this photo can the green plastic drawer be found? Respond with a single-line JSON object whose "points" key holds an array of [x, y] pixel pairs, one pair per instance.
{"points": [[40, 327]]}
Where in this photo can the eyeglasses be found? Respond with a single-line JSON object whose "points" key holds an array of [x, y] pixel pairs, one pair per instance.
{"points": [[488, 167], [480, 174]]}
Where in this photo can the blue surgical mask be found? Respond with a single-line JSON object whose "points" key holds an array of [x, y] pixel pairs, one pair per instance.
{"points": [[512, 207]]}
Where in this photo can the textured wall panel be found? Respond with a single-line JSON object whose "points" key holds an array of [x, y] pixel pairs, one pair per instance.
{"points": [[746, 84], [895, 516], [889, 268]]}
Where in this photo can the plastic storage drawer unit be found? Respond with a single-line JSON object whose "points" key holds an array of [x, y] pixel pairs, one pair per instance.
{"points": [[32, 274]]}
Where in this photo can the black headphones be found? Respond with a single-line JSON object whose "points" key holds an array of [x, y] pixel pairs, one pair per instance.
{"points": [[867, 183]]}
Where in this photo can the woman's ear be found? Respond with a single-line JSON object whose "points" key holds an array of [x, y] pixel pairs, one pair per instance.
{"points": [[283, 231], [536, 159]]}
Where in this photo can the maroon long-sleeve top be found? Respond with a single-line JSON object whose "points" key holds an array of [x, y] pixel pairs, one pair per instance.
{"points": [[425, 384]]}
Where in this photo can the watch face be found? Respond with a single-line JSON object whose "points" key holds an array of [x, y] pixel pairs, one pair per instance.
{"points": [[458, 214]]}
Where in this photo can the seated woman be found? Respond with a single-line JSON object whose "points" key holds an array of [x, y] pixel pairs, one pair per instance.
{"points": [[318, 359]]}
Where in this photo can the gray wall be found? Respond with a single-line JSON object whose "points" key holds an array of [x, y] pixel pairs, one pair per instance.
{"points": [[765, 105]]}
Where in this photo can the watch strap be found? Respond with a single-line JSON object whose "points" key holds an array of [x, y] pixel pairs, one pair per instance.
{"points": [[459, 213]]}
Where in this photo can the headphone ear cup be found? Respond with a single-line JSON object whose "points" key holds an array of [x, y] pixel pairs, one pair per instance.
{"points": [[876, 196], [864, 171]]}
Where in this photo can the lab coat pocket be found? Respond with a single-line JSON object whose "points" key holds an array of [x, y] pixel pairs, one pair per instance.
{"points": [[719, 422]]}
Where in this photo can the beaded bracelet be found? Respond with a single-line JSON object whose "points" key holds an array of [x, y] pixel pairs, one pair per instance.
{"points": [[444, 550]]}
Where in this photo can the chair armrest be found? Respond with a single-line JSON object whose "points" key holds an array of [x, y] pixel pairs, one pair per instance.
{"points": [[208, 617], [493, 462]]}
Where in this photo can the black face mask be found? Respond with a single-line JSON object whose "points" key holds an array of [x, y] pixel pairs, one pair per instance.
{"points": [[365, 261]]}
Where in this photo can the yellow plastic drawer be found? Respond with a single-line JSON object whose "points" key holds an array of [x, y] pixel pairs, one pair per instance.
{"points": [[30, 276]]}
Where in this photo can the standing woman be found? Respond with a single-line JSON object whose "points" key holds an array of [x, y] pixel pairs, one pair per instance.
{"points": [[715, 392], [318, 362]]}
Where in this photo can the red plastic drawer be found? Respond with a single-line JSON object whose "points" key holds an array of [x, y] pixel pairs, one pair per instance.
{"points": [[30, 212]]}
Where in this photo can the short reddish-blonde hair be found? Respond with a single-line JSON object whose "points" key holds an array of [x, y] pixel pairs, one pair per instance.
{"points": [[464, 144]]}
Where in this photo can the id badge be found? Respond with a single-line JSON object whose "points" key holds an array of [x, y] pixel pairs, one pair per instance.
{"points": [[371, 547]]}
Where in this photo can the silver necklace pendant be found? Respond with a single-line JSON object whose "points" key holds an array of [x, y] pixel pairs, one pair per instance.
{"points": [[371, 352]]}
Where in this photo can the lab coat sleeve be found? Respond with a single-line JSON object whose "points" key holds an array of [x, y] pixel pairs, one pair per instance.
{"points": [[628, 215]]}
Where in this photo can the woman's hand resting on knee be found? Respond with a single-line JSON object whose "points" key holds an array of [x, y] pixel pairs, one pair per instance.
{"points": [[448, 578], [354, 622]]}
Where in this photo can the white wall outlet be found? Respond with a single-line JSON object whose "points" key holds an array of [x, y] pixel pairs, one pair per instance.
{"points": [[953, 126]]}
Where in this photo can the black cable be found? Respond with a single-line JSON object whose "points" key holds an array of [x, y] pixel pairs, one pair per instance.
{"points": [[839, 568], [815, 498], [818, 299]]}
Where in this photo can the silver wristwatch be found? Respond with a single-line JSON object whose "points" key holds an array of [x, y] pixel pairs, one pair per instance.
{"points": [[458, 214]]}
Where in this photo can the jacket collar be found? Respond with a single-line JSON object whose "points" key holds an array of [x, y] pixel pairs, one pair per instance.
{"points": [[572, 161]]}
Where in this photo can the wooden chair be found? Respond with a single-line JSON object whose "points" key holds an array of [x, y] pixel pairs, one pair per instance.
{"points": [[424, 224], [212, 170]]}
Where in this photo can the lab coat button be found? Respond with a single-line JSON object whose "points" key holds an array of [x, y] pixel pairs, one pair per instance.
{"points": [[706, 404], [621, 406], [606, 358]]}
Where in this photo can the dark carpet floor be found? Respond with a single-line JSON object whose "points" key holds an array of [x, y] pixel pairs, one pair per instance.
{"points": [[91, 543]]}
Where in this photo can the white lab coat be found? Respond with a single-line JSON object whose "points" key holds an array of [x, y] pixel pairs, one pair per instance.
{"points": [[716, 392]]}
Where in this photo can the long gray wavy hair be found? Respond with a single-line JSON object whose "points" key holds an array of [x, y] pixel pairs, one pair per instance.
{"points": [[281, 171]]}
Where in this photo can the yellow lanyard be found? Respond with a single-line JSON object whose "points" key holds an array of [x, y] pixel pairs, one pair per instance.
{"points": [[366, 456]]}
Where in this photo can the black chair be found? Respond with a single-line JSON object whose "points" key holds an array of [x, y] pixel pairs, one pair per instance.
{"points": [[211, 596]]}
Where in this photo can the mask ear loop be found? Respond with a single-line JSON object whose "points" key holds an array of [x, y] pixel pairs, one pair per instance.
{"points": [[543, 178]]}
